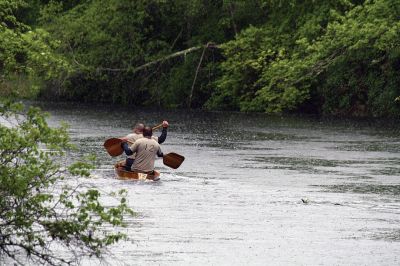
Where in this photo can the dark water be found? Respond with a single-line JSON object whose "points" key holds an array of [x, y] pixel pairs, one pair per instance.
{"points": [[254, 189]]}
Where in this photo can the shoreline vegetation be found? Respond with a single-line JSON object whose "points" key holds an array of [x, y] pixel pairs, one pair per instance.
{"points": [[49, 214], [337, 57]]}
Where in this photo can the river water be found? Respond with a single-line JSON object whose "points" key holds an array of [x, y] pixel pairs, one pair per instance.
{"points": [[253, 190]]}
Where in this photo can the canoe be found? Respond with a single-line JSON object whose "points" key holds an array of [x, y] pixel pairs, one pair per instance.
{"points": [[123, 174]]}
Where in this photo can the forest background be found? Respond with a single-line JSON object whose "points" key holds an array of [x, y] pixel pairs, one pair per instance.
{"points": [[332, 57]]}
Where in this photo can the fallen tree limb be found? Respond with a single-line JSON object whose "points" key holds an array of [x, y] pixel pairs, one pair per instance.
{"points": [[168, 57]]}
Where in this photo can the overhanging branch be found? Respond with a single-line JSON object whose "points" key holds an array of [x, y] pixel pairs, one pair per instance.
{"points": [[162, 59]]}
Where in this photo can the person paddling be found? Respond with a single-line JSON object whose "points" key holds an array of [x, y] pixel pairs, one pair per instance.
{"points": [[138, 134], [146, 149]]}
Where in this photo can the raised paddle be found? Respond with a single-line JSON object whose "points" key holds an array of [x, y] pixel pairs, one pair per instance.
{"points": [[113, 145], [173, 160]]}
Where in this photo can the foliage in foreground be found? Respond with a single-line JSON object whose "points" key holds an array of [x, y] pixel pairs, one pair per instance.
{"points": [[41, 216]]}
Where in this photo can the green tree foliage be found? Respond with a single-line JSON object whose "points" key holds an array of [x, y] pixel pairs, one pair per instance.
{"points": [[27, 57], [333, 57], [40, 213], [264, 65], [341, 62], [364, 47], [108, 39]]}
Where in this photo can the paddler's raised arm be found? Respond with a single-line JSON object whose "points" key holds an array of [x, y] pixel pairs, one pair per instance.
{"points": [[163, 135]]}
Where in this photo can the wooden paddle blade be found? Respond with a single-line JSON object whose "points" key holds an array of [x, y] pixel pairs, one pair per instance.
{"points": [[113, 146], [173, 160]]}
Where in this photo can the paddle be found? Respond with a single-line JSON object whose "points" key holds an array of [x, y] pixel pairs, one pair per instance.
{"points": [[173, 160], [113, 145]]}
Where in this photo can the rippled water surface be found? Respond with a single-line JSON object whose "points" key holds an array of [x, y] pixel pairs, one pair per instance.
{"points": [[254, 189]]}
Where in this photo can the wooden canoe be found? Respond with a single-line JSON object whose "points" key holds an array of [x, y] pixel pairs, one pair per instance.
{"points": [[123, 174]]}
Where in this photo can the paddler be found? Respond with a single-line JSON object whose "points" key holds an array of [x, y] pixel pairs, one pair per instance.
{"points": [[138, 134], [146, 149]]}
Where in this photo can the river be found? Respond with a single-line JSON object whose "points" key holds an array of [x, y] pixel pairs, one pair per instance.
{"points": [[254, 189]]}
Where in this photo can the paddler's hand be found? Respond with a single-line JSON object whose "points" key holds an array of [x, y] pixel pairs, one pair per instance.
{"points": [[124, 144], [165, 124]]}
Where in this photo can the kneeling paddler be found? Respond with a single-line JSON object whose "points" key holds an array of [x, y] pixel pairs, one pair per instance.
{"points": [[146, 149], [138, 134]]}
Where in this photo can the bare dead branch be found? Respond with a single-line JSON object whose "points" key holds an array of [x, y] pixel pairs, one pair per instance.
{"points": [[195, 76], [162, 59]]}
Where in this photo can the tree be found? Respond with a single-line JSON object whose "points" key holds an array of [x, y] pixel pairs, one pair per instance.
{"points": [[340, 57], [27, 56], [40, 211], [336, 57]]}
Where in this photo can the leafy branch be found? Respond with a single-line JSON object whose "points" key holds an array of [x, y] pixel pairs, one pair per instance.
{"points": [[39, 213]]}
